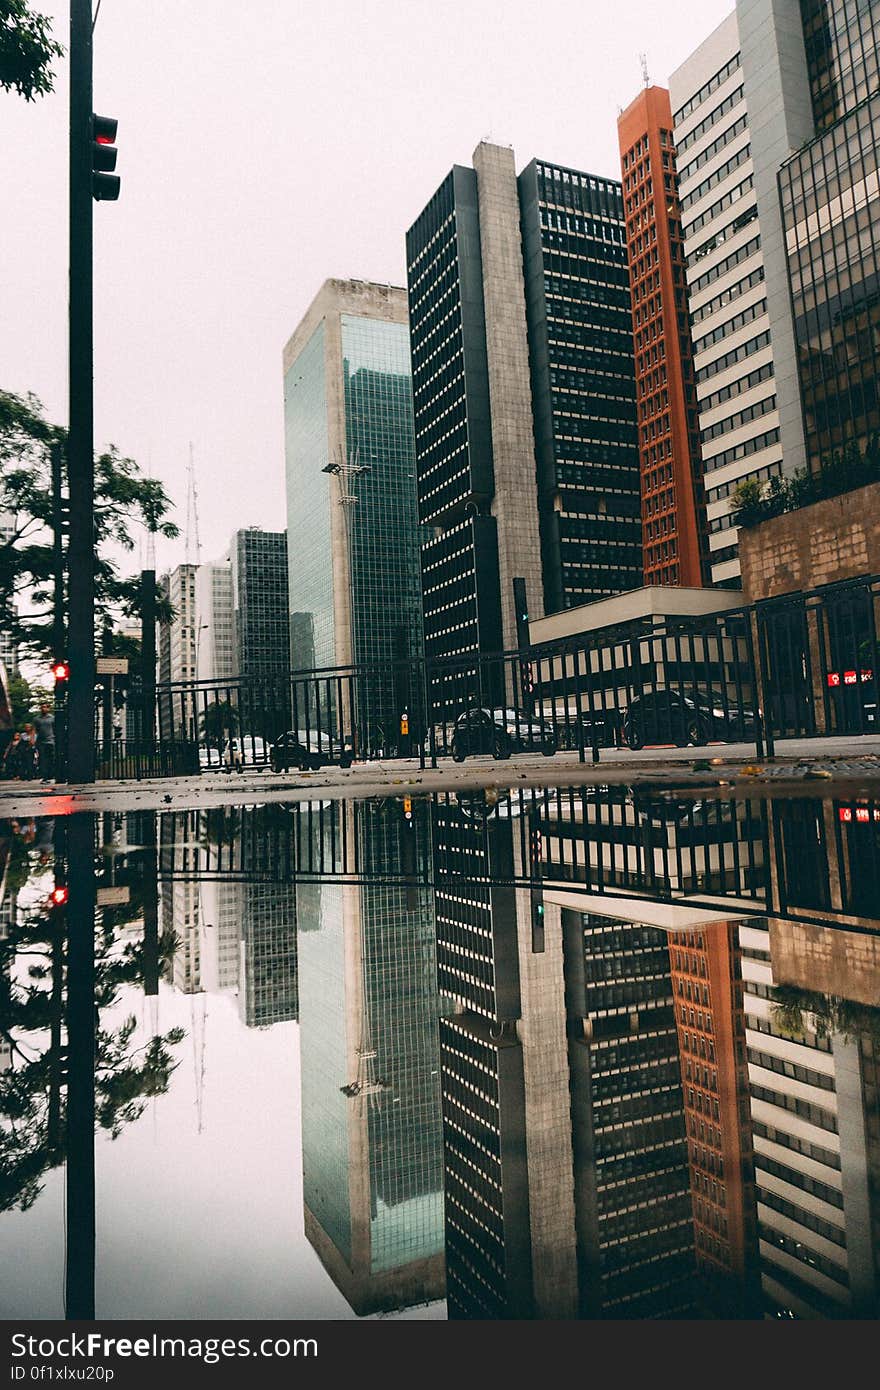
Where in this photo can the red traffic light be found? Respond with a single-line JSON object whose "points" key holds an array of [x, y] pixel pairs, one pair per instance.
{"points": [[105, 184], [59, 895], [61, 670]]}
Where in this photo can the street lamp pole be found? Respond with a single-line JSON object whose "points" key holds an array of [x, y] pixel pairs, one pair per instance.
{"points": [[346, 472]]}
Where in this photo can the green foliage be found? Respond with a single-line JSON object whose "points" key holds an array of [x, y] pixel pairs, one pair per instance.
{"points": [[32, 1087], [26, 50], [796, 1011], [217, 721], [753, 502], [124, 498]]}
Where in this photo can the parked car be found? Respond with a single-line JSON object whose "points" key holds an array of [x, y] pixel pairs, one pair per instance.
{"points": [[306, 748], [501, 732], [245, 752], [670, 716]]}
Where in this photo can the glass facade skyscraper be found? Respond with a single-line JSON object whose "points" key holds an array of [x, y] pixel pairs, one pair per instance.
{"points": [[353, 534], [830, 194]]}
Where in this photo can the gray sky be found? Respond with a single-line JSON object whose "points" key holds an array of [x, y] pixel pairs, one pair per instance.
{"points": [[263, 148]]}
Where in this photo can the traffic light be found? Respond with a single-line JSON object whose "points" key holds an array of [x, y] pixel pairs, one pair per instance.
{"points": [[105, 184], [407, 808], [60, 670], [59, 895]]}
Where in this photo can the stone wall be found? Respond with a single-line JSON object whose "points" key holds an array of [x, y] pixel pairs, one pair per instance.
{"points": [[838, 538]]}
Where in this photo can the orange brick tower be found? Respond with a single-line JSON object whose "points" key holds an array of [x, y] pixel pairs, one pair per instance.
{"points": [[673, 506]]}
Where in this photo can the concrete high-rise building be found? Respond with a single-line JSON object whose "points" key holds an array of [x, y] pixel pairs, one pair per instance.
{"points": [[674, 536], [177, 640], [215, 624], [352, 527], [524, 397], [738, 347]]}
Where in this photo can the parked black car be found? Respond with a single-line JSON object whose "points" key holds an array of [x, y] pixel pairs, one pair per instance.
{"points": [[501, 732], [669, 716], [307, 748]]}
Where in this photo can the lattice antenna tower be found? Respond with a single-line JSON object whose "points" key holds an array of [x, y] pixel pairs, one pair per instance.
{"points": [[643, 59], [191, 537]]}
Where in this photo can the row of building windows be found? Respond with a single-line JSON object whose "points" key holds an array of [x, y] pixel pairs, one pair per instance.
{"points": [[731, 325], [733, 99], [727, 296], [740, 451], [742, 417], [723, 234], [727, 200], [708, 87], [742, 253], [728, 359], [686, 171]]}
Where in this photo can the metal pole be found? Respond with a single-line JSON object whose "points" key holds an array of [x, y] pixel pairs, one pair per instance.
{"points": [[148, 659], [80, 447]]}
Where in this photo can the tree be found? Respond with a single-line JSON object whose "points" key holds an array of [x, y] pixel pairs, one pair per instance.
{"points": [[26, 50], [32, 1104], [218, 721], [124, 498]]}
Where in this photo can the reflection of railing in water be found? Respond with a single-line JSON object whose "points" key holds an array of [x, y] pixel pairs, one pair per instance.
{"points": [[749, 853]]}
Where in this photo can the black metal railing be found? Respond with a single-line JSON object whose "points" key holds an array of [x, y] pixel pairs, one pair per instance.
{"points": [[802, 665]]}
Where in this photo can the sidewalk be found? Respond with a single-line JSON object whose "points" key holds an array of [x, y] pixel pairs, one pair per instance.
{"points": [[844, 766]]}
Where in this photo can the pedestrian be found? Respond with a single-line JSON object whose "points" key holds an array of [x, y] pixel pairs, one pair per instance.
{"points": [[28, 753], [12, 757], [45, 730]]}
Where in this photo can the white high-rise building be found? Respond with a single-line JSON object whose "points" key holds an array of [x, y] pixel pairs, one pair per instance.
{"points": [[215, 627], [734, 364]]}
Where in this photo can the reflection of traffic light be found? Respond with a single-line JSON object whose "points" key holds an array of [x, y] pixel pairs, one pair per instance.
{"points": [[536, 853], [59, 895], [105, 184], [60, 670]]}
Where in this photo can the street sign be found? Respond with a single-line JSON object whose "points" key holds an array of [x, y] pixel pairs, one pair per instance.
{"points": [[111, 666], [113, 896]]}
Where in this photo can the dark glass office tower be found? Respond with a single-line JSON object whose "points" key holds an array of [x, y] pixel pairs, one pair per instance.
{"points": [[524, 397], [583, 384], [259, 592]]}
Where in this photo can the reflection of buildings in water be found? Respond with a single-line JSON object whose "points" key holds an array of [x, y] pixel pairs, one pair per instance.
{"points": [[372, 1172], [220, 940], [268, 986], [813, 1074], [567, 1190], [707, 986]]}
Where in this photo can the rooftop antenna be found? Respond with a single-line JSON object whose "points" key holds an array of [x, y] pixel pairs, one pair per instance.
{"points": [[192, 514], [643, 59]]}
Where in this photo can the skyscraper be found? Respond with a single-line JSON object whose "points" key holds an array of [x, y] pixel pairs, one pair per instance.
{"points": [[829, 190], [215, 631], [738, 347], [523, 396], [673, 505], [351, 502], [372, 1170], [259, 602]]}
